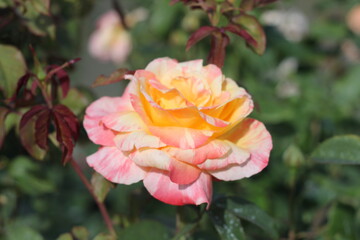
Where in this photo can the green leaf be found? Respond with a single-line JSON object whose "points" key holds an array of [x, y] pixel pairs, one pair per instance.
{"points": [[27, 137], [249, 212], [6, 3], [185, 230], [12, 67], [75, 100], [26, 175], [7, 203], [163, 17], [341, 223], [80, 233], [65, 236], [41, 6], [17, 232], [227, 224], [37, 18], [101, 186], [103, 236], [3, 113], [343, 149], [146, 229]]}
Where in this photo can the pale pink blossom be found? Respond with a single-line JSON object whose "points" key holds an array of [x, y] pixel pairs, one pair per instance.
{"points": [[176, 127], [110, 41], [353, 19]]}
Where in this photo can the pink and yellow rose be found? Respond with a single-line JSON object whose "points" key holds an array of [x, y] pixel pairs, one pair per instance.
{"points": [[176, 127]]}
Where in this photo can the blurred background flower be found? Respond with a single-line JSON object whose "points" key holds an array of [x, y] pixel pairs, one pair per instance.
{"points": [[110, 41], [293, 24], [353, 19]]}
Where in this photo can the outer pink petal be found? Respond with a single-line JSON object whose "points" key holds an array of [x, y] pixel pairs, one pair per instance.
{"points": [[138, 139], [183, 173], [160, 186], [97, 132], [212, 150], [252, 136], [114, 166], [184, 138], [106, 105], [123, 121], [235, 156], [151, 158]]}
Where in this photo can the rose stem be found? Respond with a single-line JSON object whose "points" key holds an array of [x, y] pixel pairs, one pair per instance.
{"points": [[100, 205]]}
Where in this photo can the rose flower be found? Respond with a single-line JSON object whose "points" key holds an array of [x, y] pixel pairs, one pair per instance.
{"points": [[176, 127]]}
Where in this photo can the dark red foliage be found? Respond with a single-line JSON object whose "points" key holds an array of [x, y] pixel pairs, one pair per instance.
{"points": [[42, 128], [116, 76], [21, 84], [219, 41], [60, 78], [67, 130], [35, 110], [241, 32], [199, 34]]}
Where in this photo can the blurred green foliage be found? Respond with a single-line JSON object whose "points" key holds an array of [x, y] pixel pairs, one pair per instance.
{"points": [[305, 92]]}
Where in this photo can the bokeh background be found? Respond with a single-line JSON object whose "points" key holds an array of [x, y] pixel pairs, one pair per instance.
{"points": [[306, 88]]}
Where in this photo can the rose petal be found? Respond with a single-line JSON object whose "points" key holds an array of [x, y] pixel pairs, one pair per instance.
{"points": [[183, 173], [165, 69], [252, 136], [214, 78], [236, 155], [97, 132], [123, 121], [212, 150], [138, 139], [114, 166], [106, 105], [191, 67], [160, 186], [151, 158], [184, 138]]}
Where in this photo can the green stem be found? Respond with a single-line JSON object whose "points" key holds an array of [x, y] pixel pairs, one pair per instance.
{"points": [[100, 205]]}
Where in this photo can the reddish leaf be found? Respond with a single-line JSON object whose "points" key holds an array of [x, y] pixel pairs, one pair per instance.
{"points": [[26, 98], [42, 129], [27, 131], [3, 113], [61, 78], [199, 34], [241, 32], [21, 84], [260, 3], [69, 118], [31, 113], [116, 76], [174, 1], [247, 5], [219, 41], [252, 26], [67, 130]]}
